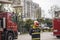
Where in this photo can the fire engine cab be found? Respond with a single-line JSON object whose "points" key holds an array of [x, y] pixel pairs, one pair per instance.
{"points": [[56, 24], [8, 26]]}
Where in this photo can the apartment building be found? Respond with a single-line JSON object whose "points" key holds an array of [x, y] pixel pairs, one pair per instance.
{"points": [[27, 7], [30, 9], [34, 7]]}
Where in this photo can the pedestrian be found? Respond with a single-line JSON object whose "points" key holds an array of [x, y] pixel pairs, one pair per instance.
{"points": [[35, 31]]}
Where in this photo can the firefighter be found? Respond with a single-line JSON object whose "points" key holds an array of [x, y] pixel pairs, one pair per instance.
{"points": [[35, 31]]}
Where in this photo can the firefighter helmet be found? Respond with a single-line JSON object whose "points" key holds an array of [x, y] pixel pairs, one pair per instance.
{"points": [[36, 23]]}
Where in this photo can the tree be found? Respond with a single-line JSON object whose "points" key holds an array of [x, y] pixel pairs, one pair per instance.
{"points": [[41, 20], [28, 24], [48, 22]]}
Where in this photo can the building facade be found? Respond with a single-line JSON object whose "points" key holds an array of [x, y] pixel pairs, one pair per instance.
{"points": [[28, 8], [34, 8], [38, 13], [5, 5], [6, 1]]}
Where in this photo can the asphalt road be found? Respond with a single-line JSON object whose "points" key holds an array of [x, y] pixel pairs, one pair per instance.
{"points": [[24, 37], [48, 36], [44, 36]]}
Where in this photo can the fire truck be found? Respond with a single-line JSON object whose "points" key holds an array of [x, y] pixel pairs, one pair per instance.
{"points": [[8, 25], [56, 24]]}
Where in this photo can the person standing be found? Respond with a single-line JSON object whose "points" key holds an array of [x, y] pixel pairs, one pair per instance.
{"points": [[35, 31]]}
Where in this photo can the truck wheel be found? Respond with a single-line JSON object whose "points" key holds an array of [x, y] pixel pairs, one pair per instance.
{"points": [[10, 36], [58, 36]]}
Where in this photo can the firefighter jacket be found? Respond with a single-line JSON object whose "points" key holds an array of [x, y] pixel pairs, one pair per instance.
{"points": [[35, 33]]}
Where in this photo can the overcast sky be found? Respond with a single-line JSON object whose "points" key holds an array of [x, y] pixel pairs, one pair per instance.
{"points": [[46, 4]]}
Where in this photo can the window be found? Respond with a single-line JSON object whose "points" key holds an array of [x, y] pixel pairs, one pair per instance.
{"points": [[14, 18], [57, 14]]}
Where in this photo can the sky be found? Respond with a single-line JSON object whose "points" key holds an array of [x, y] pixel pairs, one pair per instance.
{"points": [[45, 5]]}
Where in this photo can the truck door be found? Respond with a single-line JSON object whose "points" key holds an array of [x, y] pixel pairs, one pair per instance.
{"points": [[1, 27], [58, 26], [2, 23]]}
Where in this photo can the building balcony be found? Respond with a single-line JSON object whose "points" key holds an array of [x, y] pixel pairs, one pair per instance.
{"points": [[15, 6], [17, 3], [6, 1]]}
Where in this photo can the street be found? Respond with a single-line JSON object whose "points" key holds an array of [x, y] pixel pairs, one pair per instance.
{"points": [[48, 36], [44, 36], [24, 37]]}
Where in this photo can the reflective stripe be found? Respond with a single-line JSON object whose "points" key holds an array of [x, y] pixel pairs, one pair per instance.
{"points": [[36, 33]]}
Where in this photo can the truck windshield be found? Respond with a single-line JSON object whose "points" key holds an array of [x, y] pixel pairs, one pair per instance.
{"points": [[1, 23]]}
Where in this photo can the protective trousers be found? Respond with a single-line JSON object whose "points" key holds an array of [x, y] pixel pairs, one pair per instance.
{"points": [[36, 36]]}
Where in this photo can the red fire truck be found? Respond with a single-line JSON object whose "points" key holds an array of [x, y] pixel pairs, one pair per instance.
{"points": [[8, 27], [56, 24]]}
